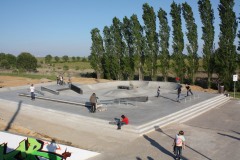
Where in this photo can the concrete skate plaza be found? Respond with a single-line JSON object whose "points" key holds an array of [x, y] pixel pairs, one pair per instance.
{"points": [[110, 97]]}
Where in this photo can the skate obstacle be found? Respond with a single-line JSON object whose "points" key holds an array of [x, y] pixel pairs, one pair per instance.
{"points": [[76, 89], [49, 90]]}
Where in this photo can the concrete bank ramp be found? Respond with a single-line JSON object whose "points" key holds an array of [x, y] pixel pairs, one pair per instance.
{"points": [[135, 84]]}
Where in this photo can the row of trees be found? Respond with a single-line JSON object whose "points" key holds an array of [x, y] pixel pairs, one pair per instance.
{"points": [[24, 61], [49, 59], [28, 62], [128, 47]]}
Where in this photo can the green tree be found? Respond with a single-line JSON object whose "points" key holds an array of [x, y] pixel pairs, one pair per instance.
{"points": [[73, 59], [78, 58], [4, 64], [12, 60], [239, 36], [107, 56], [192, 37], [57, 59], [97, 52], [26, 61], [48, 59], [178, 42], [2, 56], [227, 55], [7, 61], [128, 67], [119, 47], [164, 34], [207, 18], [138, 45], [149, 19], [65, 58]]}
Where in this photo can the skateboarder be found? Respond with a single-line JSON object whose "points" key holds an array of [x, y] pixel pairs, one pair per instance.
{"points": [[93, 100], [179, 144], [32, 89], [158, 92], [124, 121], [179, 92], [188, 89]]}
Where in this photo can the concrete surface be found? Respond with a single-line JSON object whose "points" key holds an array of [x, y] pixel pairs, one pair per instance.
{"points": [[214, 135], [71, 123]]}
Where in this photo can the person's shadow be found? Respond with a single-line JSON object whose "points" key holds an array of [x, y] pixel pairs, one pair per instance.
{"points": [[158, 146]]}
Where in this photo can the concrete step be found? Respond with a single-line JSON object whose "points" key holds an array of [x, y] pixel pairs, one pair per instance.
{"points": [[91, 123], [182, 115]]}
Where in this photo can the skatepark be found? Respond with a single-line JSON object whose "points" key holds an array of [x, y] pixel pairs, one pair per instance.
{"points": [[59, 107]]}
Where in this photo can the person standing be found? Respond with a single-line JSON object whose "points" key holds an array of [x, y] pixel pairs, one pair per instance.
{"points": [[124, 121], [179, 90], [93, 101], [58, 80], [188, 89], [179, 145], [158, 92], [32, 89], [61, 80]]}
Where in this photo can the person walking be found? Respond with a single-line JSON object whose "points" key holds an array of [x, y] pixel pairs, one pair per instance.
{"points": [[93, 101], [158, 91], [124, 121], [32, 90], [179, 145], [179, 90], [188, 89]]}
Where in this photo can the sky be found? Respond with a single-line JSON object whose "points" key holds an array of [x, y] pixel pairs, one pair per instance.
{"points": [[62, 27]]}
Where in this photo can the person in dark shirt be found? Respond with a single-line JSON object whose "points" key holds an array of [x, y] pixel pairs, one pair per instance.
{"points": [[158, 92], [93, 101], [188, 89], [179, 90]]}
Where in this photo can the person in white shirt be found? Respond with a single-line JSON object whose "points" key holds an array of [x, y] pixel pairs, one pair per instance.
{"points": [[179, 144], [32, 88]]}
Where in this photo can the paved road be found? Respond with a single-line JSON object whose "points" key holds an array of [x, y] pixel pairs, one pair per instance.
{"points": [[214, 135]]}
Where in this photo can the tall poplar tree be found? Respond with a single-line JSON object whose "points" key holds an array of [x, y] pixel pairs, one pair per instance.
{"points": [[239, 36], [97, 52], [192, 37], [178, 42], [164, 34], [107, 57], [149, 19], [207, 18], [138, 45], [226, 57], [128, 68], [119, 46]]}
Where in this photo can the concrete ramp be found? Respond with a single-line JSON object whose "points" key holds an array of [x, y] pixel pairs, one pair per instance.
{"points": [[49, 90], [76, 89]]}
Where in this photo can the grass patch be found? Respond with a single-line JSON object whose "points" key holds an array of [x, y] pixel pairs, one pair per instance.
{"points": [[237, 94], [29, 75]]}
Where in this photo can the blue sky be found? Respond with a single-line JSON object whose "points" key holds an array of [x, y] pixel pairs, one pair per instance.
{"points": [[62, 27]]}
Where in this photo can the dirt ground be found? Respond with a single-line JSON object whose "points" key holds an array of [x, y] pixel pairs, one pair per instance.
{"points": [[9, 81]]}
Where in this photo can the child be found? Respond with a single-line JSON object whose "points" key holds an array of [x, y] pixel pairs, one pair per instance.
{"points": [[179, 144]]}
